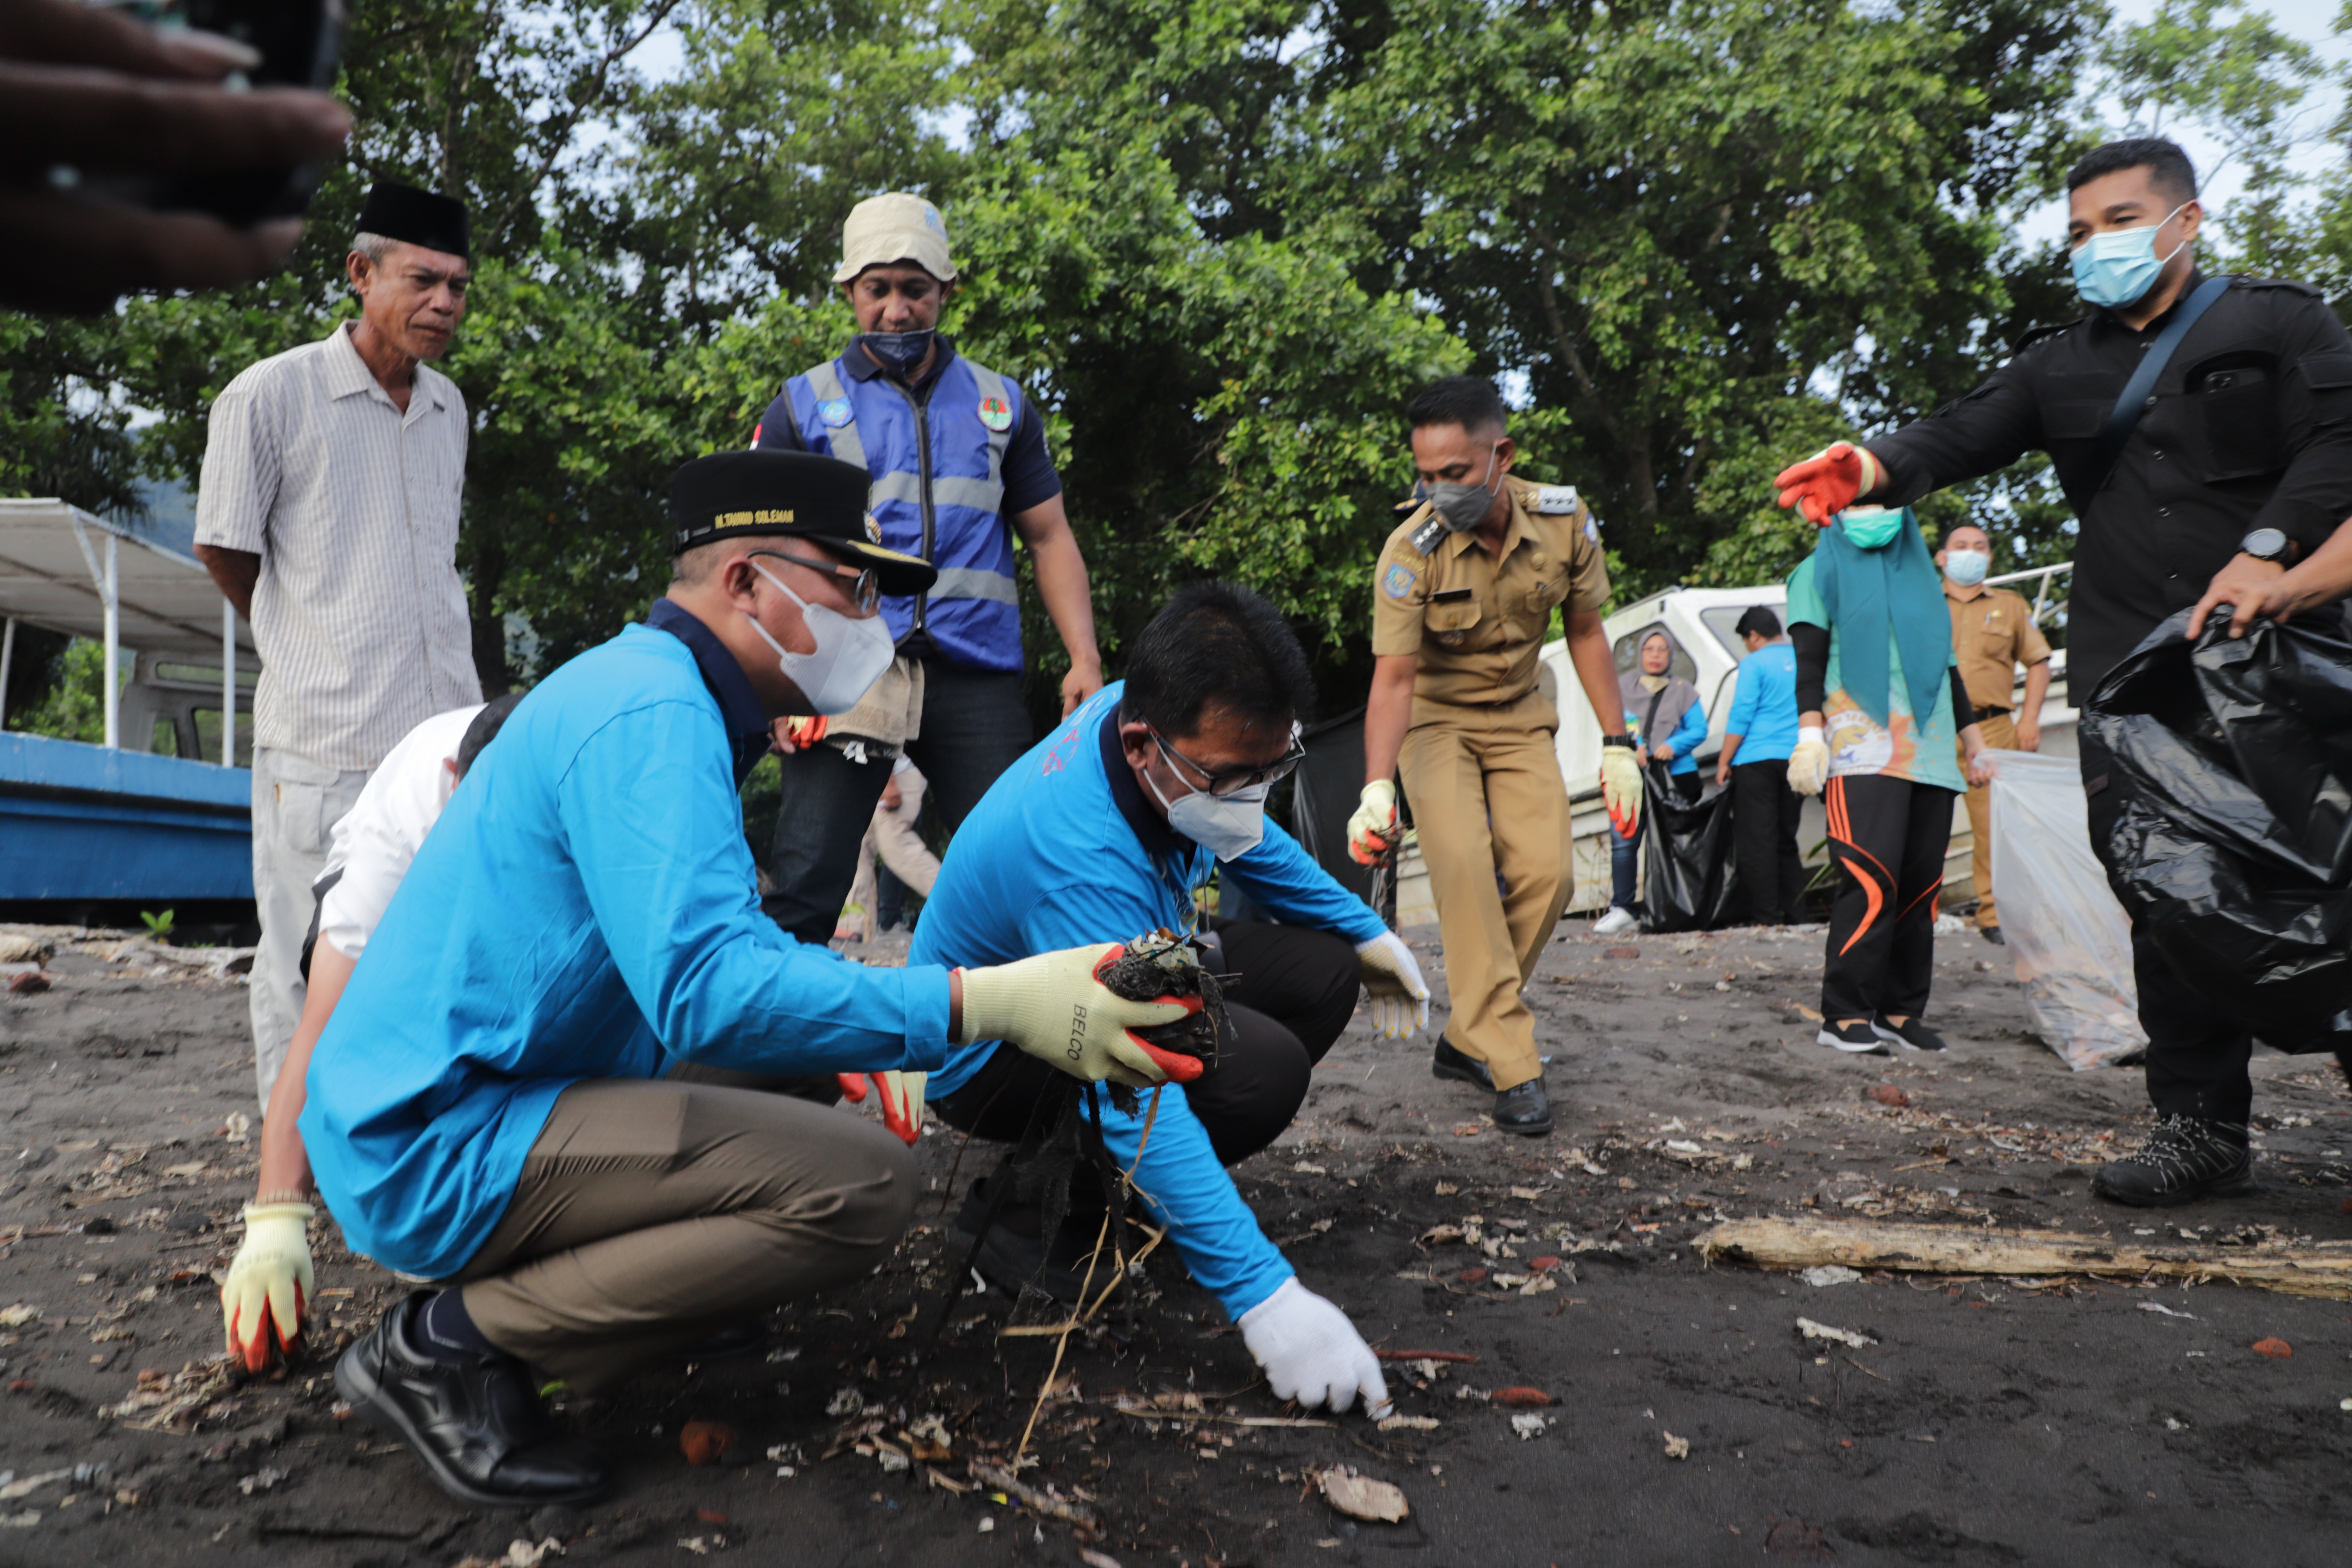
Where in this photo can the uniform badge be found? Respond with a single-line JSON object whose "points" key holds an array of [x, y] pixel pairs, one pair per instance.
{"points": [[1451, 639], [1425, 538], [1397, 581], [1593, 528], [834, 412], [873, 529], [1556, 500], [996, 413]]}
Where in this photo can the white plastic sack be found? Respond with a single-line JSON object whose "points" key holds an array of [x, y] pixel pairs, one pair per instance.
{"points": [[2071, 939]]}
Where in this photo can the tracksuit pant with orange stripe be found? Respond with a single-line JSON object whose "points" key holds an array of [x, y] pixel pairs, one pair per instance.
{"points": [[1890, 835]]}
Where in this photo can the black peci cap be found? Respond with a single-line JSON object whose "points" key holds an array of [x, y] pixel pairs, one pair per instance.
{"points": [[746, 495], [416, 217]]}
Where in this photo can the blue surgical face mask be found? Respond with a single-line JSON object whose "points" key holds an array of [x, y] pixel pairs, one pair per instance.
{"points": [[1871, 527], [2119, 268], [899, 352], [1967, 568]]}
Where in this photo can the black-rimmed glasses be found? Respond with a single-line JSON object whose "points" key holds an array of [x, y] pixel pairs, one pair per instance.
{"points": [[1236, 780], [865, 590]]}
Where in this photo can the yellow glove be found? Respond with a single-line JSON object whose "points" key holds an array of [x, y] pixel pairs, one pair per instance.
{"points": [[1392, 981], [269, 1284], [1621, 787], [1372, 831], [1809, 763], [1054, 1008], [902, 1102]]}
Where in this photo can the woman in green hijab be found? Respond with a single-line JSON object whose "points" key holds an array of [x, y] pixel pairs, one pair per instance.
{"points": [[1879, 700]]}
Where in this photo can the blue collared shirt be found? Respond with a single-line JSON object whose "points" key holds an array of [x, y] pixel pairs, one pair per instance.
{"points": [[1764, 705], [585, 908], [1062, 851]]}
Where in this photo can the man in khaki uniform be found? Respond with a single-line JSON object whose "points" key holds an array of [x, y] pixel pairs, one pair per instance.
{"points": [[1462, 601], [1992, 634]]}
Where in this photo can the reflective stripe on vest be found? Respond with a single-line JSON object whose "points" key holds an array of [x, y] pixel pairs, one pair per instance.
{"points": [[827, 386]]}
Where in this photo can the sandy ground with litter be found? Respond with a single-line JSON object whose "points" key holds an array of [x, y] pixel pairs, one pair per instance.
{"points": [[1989, 1421]]}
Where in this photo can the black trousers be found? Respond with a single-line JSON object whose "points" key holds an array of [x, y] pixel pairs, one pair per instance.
{"points": [[1292, 992], [1764, 828], [973, 728], [1890, 836], [2197, 1054]]}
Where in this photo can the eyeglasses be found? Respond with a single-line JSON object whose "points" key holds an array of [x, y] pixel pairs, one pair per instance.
{"points": [[865, 590], [1238, 779]]}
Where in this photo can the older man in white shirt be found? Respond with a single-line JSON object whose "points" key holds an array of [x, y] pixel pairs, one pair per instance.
{"points": [[328, 514]]}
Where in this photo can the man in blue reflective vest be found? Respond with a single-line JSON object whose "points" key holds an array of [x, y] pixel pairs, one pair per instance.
{"points": [[957, 457]]}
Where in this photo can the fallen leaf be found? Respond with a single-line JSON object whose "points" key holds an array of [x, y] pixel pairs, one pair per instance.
{"points": [[1523, 1397], [1094, 1559], [1828, 1274], [1804, 1012], [1409, 1424], [1543, 1264], [1309, 1170], [30, 984], [704, 1442], [1448, 1189], [18, 1316], [1623, 952], [1676, 1448], [1814, 1330], [1527, 1194], [1471, 1275], [1360, 1497], [2277, 1349], [1887, 1094]]}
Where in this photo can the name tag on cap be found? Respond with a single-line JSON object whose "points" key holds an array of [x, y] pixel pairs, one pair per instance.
{"points": [[834, 412], [1556, 500]]}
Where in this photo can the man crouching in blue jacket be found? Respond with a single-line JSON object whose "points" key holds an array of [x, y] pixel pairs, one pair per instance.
{"points": [[1104, 832], [488, 1108]]}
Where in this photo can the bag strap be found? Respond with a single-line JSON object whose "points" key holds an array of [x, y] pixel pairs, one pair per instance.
{"points": [[2136, 398]]}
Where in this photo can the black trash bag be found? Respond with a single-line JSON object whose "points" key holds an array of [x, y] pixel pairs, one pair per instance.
{"points": [[1692, 883], [2236, 847]]}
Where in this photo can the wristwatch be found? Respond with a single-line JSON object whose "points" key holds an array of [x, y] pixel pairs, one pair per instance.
{"points": [[1620, 739], [2264, 544]]}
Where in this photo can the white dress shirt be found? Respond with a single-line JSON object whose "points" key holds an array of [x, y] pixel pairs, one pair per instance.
{"points": [[378, 836], [359, 616]]}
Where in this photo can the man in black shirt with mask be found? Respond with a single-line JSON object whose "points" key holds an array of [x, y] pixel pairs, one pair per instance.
{"points": [[2240, 463]]}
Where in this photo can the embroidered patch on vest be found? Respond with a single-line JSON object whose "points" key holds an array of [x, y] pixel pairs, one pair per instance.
{"points": [[1397, 581], [834, 412], [996, 413]]}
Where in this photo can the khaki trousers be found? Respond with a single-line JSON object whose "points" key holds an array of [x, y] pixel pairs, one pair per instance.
{"points": [[891, 834], [296, 804], [2000, 734], [1487, 800], [652, 1212]]}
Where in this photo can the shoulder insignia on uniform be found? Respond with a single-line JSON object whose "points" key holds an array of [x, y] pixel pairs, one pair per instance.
{"points": [[1398, 580], [835, 412], [2033, 335], [1556, 500], [1429, 535], [1593, 528]]}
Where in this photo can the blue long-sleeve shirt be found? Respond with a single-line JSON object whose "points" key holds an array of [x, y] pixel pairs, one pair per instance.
{"points": [[1688, 733], [586, 908], [1062, 851], [1764, 705]]}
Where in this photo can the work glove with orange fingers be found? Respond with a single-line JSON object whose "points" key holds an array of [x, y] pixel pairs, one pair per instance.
{"points": [[1620, 788], [902, 1099], [269, 1285], [1372, 832], [1055, 1007], [1829, 481]]}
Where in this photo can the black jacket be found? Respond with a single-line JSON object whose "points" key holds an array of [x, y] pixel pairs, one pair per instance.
{"points": [[2251, 428]]}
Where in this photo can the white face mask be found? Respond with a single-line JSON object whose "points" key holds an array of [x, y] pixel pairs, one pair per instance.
{"points": [[1226, 826], [1967, 567], [850, 654]]}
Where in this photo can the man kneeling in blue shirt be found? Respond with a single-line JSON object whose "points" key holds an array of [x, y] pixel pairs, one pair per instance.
{"points": [[1106, 831], [487, 1107]]}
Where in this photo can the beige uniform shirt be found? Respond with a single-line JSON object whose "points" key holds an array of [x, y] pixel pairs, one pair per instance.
{"points": [[1476, 622], [351, 504], [1992, 634]]}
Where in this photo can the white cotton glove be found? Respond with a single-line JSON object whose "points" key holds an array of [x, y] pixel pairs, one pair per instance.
{"points": [[1392, 981], [269, 1284], [1053, 1008], [1312, 1354], [1621, 787], [1808, 763], [1372, 831]]}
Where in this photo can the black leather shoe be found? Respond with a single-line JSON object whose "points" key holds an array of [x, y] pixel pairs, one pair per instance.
{"points": [[1992, 934], [479, 1428], [1524, 1109], [2185, 1158], [734, 1339], [1015, 1258], [1447, 1062], [1912, 1032]]}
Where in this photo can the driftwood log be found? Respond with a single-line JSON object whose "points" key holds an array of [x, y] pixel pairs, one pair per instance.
{"points": [[1948, 1249]]}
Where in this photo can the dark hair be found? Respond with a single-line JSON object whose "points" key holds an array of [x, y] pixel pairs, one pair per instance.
{"points": [[483, 729], [1464, 400], [1216, 645], [2169, 168], [1944, 539], [1760, 619]]}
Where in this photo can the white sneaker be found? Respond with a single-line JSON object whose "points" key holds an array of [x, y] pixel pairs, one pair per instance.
{"points": [[1614, 921]]}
